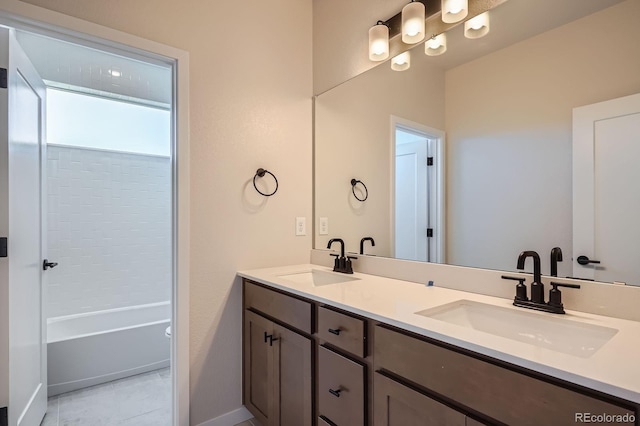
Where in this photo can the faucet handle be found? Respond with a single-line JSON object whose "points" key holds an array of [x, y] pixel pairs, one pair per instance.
{"points": [[555, 295], [521, 289], [348, 268], [555, 285], [336, 262]]}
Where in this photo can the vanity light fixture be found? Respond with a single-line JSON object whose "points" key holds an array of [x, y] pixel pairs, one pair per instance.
{"points": [[410, 25], [436, 45], [413, 16], [454, 10], [477, 26], [401, 62], [379, 42]]}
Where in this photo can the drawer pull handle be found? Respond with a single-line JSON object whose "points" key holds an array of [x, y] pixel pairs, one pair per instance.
{"points": [[335, 393], [335, 331]]}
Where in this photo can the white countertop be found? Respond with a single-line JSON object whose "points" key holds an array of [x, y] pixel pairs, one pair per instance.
{"points": [[613, 369]]}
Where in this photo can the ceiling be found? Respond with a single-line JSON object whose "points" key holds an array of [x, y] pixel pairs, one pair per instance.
{"points": [[72, 66]]}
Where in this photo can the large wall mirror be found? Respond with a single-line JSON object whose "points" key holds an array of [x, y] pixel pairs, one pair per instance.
{"points": [[495, 116]]}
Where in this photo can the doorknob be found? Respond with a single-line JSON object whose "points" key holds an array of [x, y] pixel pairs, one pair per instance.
{"points": [[46, 264], [584, 260]]}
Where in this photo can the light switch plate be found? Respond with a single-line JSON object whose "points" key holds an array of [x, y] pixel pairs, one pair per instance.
{"points": [[324, 226], [301, 226]]}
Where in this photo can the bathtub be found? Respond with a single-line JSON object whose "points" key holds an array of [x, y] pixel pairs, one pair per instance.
{"points": [[97, 347]]}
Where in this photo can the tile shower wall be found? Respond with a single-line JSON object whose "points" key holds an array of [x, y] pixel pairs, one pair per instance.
{"points": [[109, 228]]}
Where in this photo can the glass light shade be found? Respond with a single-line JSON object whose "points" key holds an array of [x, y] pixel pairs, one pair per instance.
{"points": [[378, 42], [413, 23], [436, 45], [477, 27], [401, 62], [454, 10]]}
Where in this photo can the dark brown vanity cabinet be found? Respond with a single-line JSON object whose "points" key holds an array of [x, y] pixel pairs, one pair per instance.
{"points": [[494, 392], [306, 363], [396, 404], [278, 371]]}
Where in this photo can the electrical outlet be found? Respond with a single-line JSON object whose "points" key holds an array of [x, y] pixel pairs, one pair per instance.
{"points": [[324, 226], [301, 226]]}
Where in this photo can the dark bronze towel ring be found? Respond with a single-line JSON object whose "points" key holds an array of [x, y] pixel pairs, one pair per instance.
{"points": [[260, 173], [354, 182]]}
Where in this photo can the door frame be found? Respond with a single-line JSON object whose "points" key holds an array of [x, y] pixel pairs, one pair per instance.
{"points": [[438, 187], [24, 16]]}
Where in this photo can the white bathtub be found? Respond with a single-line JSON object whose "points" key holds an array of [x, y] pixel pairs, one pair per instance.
{"points": [[97, 347]]}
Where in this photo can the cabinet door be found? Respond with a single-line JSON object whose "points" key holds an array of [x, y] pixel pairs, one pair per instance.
{"points": [[259, 395], [292, 374], [398, 405]]}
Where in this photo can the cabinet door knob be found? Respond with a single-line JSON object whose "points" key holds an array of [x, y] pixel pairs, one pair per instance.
{"points": [[335, 393], [335, 331]]}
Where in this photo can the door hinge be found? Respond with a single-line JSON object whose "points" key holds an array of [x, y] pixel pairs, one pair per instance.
{"points": [[429, 232], [4, 417], [3, 78], [4, 252], [429, 161]]}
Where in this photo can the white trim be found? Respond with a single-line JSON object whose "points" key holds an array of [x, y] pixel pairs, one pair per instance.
{"points": [[43, 21], [231, 418], [440, 198]]}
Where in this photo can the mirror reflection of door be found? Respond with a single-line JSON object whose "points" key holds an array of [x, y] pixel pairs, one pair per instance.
{"points": [[606, 198], [416, 191]]}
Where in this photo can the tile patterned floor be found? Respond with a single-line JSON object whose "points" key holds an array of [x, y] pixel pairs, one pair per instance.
{"points": [[142, 400]]}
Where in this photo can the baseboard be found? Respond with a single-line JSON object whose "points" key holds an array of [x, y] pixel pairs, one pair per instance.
{"points": [[230, 419]]}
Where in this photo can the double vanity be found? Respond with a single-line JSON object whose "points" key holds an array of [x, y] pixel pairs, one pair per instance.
{"points": [[324, 348]]}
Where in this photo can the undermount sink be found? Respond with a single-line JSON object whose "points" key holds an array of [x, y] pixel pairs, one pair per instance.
{"points": [[546, 331], [318, 278]]}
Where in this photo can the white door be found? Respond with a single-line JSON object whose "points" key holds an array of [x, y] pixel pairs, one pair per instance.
{"points": [[606, 200], [411, 200], [22, 153]]}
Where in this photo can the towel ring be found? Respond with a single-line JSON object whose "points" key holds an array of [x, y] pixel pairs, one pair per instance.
{"points": [[354, 182], [260, 173]]}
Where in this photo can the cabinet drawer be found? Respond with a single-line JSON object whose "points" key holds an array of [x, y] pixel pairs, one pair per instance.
{"points": [[399, 405], [343, 331], [288, 309], [497, 392], [341, 389]]}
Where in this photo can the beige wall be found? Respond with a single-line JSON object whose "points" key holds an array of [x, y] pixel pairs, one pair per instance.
{"points": [[352, 134], [250, 104], [509, 118]]}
